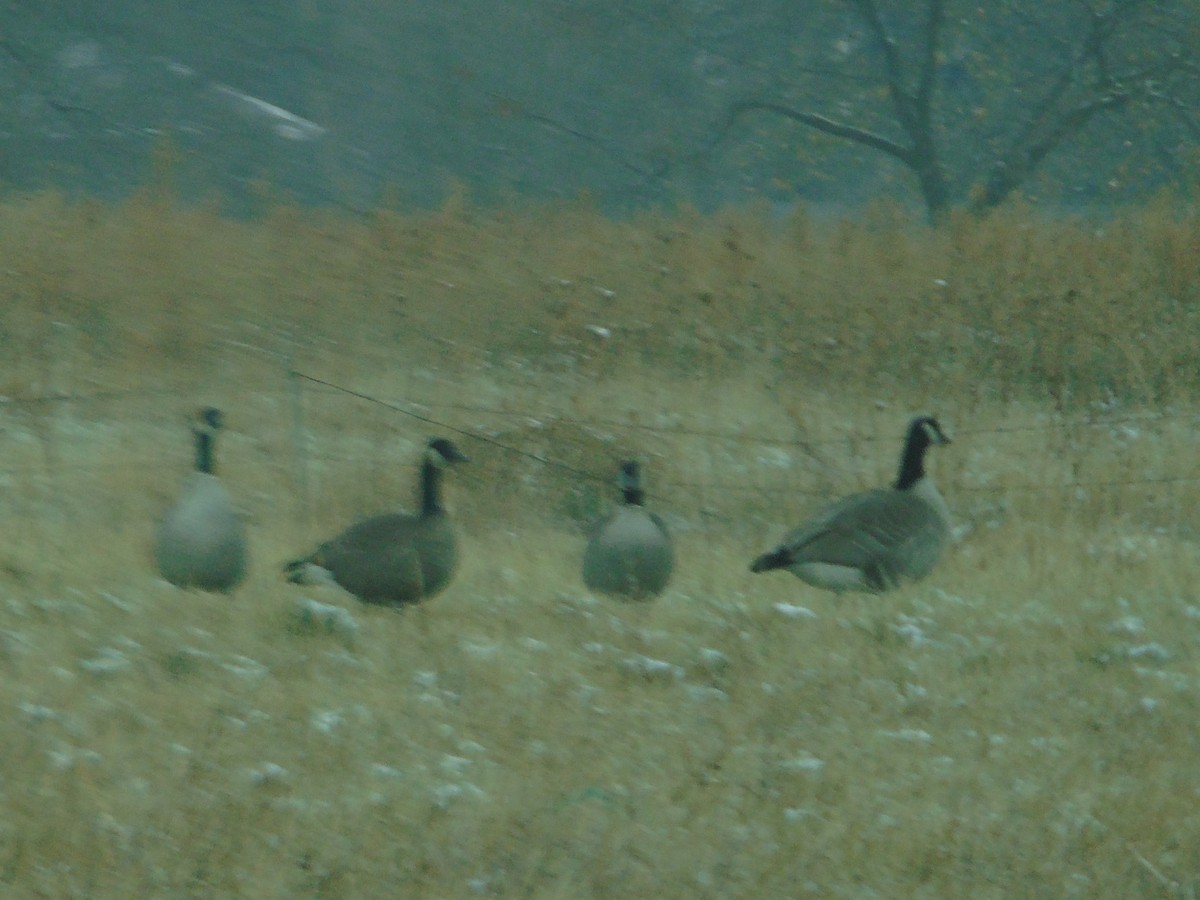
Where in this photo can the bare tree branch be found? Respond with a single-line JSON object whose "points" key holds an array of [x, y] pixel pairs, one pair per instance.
{"points": [[1124, 52], [821, 123], [1050, 124], [1011, 172], [929, 65], [914, 111], [895, 72]]}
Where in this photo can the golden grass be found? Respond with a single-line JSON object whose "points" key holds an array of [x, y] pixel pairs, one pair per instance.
{"points": [[1022, 723]]}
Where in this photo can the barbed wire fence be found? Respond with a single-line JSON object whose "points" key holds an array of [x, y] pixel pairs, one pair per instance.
{"points": [[1113, 428]]}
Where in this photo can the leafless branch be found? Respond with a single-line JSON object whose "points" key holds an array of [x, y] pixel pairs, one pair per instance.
{"points": [[823, 124], [1053, 119], [895, 72], [1126, 52], [929, 65]]}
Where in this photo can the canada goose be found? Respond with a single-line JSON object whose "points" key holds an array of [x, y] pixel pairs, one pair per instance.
{"points": [[629, 552], [201, 542], [871, 541], [395, 558]]}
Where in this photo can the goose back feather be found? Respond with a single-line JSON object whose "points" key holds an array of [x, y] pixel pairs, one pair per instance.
{"points": [[396, 558], [874, 540]]}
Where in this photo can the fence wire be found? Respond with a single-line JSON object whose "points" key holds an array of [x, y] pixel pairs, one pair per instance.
{"points": [[422, 411]]}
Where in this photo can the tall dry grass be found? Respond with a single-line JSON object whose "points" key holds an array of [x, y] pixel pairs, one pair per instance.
{"points": [[1022, 723]]}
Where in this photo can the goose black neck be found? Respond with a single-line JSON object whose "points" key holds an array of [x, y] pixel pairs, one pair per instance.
{"points": [[633, 496], [431, 488], [912, 463], [204, 453]]}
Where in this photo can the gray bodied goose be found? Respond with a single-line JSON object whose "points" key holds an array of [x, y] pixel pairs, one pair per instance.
{"points": [[201, 542], [629, 553], [872, 541], [395, 558]]}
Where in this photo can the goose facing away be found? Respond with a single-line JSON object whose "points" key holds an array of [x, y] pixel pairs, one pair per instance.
{"points": [[874, 540], [201, 542], [396, 558], [629, 553]]}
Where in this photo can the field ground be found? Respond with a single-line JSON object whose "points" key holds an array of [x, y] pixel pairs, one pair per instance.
{"points": [[1021, 723]]}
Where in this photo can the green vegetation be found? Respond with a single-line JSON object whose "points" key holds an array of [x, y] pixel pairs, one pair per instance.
{"points": [[1022, 723]]}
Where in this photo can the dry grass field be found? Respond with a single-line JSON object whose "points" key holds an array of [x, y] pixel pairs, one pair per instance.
{"points": [[1022, 723]]}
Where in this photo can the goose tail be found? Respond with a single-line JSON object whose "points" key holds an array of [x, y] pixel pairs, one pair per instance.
{"points": [[305, 571], [779, 558]]}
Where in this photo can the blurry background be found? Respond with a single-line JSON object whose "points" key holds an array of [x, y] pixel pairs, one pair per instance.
{"points": [[633, 102]]}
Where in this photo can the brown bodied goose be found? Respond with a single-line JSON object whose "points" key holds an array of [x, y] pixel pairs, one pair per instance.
{"points": [[629, 553], [201, 542], [395, 558], [872, 541]]}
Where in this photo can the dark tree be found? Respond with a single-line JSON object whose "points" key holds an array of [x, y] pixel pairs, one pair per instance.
{"points": [[973, 98]]}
